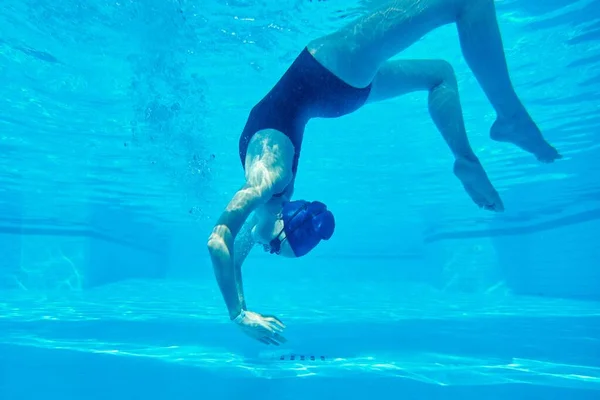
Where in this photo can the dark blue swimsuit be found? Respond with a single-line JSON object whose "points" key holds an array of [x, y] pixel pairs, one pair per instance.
{"points": [[306, 90]]}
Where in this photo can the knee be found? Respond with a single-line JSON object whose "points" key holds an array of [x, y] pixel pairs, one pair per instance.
{"points": [[444, 73]]}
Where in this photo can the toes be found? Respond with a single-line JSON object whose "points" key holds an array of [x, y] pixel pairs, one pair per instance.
{"points": [[498, 204], [549, 157], [480, 199], [490, 203], [493, 207]]}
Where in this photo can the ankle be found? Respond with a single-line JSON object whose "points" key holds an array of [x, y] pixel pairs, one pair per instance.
{"points": [[467, 156], [515, 113]]}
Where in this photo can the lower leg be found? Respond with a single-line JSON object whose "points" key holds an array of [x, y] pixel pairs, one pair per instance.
{"points": [[437, 77], [482, 48], [446, 112]]}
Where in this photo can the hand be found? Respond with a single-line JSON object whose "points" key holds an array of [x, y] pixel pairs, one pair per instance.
{"points": [[265, 329]]}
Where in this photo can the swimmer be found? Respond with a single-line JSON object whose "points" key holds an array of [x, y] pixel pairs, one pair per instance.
{"points": [[335, 75]]}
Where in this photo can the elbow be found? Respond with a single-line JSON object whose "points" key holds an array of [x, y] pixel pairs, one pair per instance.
{"points": [[216, 244], [212, 244], [220, 242]]}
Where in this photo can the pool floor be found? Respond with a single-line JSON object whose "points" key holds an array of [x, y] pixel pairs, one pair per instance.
{"points": [[159, 341]]}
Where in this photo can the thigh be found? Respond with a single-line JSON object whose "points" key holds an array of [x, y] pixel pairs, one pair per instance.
{"points": [[397, 77]]}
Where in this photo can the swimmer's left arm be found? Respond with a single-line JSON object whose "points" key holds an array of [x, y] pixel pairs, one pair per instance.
{"points": [[244, 242]]}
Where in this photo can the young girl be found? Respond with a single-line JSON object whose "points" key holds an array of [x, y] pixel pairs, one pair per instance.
{"points": [[335, 75]]}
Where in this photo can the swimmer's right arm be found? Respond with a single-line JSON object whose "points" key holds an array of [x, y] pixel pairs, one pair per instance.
{"points": [[221, 244], [244, 242]]}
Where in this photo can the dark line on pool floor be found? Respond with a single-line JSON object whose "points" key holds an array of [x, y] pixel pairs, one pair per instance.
{"points": [[301, 357]]}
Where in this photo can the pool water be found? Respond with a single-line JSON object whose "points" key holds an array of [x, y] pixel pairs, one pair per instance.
{"points": [[119, 123]]}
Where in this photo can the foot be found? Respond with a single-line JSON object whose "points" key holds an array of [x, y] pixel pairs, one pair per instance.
{"points": [[524, 133], [477, 184]]}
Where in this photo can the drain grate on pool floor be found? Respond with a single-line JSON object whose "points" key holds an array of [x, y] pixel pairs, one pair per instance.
{"points": [[301, 357]]}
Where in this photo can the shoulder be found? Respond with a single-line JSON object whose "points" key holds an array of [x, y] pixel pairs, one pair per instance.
{"points": [[269, 161]]}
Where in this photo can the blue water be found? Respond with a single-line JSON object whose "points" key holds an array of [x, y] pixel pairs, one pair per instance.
{"points": [[119, 123]]}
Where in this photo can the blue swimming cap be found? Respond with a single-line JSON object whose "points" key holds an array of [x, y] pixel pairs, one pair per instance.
{"points": [[305, 224]]}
